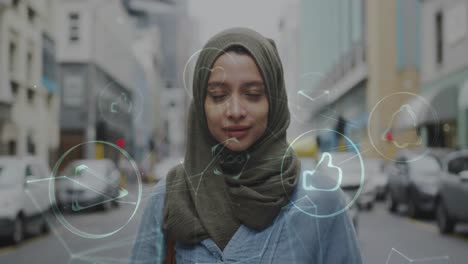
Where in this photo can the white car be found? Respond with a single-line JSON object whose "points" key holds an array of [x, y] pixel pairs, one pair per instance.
{"points": [[24, 197], [89, 184]]}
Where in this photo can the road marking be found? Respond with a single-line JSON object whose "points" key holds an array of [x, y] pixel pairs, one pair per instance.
{"points": [[13, 248]]}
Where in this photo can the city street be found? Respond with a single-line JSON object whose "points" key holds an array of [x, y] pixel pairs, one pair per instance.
{"points": [[384, 238], [62, 246], [96, 95]]}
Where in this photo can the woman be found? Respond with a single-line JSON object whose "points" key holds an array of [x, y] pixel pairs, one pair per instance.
{"points": [[237, 196]]}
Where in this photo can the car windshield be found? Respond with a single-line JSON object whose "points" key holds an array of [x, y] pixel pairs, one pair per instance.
{"points": [[426, 167], [86, 168], [8, 175], [458, 165]]}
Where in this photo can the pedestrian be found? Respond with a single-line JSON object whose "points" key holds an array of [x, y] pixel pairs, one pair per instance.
{"points": [[237, 196]]}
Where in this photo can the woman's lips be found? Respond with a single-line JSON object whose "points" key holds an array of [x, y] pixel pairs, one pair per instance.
{"points": [[237, 132]]}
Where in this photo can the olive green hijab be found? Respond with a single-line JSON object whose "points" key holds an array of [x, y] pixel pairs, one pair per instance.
{"points": [[205, 199]]}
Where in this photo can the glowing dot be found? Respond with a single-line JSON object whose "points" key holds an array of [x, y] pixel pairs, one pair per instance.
{"points": [[120, 143]]}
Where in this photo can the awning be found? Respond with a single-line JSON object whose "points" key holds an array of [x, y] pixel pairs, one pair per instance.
{"points": [[429, 108]]}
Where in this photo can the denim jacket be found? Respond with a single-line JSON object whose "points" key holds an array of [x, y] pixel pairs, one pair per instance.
{"points": [[314, 227]]}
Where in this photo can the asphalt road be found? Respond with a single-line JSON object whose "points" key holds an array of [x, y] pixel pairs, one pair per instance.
{"points": [[396, 239], [384, 238], [63, 246]]}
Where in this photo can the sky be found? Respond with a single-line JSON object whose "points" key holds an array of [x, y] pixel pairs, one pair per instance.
{"points": [[216, 15]]}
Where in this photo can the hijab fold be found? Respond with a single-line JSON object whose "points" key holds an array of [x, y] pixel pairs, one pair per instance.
{"points": [[209, 195]]}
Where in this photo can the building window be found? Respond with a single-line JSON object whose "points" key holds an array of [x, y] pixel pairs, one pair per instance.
{"points": [[29, 66], [31, 145], [31, 15], [74, 27], [31, 95], [14, 88], [49, 65], [439, 23], [13, 53], [11, 147], [50, 100], [73, 90]]}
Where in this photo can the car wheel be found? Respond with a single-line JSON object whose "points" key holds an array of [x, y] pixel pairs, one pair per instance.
{"points": [[106, 206], [382, 196], [370, 206], [115, 202], [18, 230], [445, 223], [45, 226], [413, 210], [392, 205]]}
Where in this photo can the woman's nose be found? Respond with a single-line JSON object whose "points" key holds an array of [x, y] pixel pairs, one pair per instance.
{"points": [[235, 109]]}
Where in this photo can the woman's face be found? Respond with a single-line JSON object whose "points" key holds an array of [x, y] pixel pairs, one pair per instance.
{"points": [[236, 103]]}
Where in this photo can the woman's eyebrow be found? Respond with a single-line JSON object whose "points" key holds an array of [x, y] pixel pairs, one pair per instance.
{"points": [[217, 84], [259, 84]]}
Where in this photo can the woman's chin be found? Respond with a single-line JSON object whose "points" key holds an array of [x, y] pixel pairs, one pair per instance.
{"points": [[237, 146]]}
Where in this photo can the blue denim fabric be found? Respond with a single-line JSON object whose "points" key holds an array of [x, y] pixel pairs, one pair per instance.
{"points": [[313, 228]]}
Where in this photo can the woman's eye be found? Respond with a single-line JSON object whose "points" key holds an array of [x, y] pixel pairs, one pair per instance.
{"points": [[218, 98], [254, 96]]}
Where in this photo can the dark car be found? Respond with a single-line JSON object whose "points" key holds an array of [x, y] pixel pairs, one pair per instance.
{"points": [[452, 200], [413, 181]]}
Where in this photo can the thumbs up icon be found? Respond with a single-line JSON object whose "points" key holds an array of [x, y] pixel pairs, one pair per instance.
{"points": [[309, 174]]}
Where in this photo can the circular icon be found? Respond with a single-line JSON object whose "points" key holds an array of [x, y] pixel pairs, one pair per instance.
{"points": [[403, 118], [92, 184], [315, 183], [117, 106]]}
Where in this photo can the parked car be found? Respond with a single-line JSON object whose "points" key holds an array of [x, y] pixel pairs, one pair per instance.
{"points": [[451, 203], [24, 200], [89, 184], [375, 169], [413, 181], [161, 168]]}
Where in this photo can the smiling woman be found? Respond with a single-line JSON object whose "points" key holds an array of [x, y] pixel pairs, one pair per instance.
{"points": [[231, 198], [236, 104]]}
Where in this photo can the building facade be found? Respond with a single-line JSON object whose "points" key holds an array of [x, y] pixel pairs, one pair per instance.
{"points": [[444, 71], [176, 38], [29, 89], [333, 65], [99, 75], [362, 55]]}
